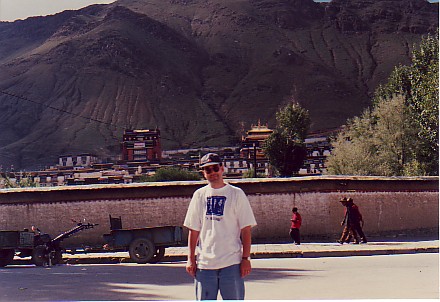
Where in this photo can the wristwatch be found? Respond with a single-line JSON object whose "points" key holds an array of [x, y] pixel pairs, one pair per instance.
{"points": [[246, 258]]}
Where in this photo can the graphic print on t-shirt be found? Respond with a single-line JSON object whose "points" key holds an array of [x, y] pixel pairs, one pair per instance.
{"points": [[215, 205]]}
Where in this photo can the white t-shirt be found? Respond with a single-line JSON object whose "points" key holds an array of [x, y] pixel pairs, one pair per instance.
{"points": [[219, 215]]}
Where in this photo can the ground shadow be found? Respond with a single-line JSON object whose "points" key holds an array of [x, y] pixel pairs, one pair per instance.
{"points": [[109, 282], [264, 274]]}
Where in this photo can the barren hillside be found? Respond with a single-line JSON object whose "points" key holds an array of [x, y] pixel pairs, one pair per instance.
{"points": [[196, 69]]}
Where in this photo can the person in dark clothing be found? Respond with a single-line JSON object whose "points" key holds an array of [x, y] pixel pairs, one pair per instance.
{"points": [[358, 222], [294, 228], [348, 232], [352, 221]]}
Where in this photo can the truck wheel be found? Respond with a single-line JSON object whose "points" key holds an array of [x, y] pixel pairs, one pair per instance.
{"points": [[40, 256], [141, 250], [6, 257], [160, 252]]}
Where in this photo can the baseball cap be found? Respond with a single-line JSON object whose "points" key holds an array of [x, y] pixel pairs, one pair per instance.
{"points": [[210, 159]]}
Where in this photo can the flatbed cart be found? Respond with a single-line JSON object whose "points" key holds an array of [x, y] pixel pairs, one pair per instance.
{"points": [[144, 245], [12, 241]]}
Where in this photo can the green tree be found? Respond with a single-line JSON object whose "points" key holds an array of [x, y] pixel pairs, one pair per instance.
{"points": [[383, 141], [285, 147], [173, 174], [25, 181], [418, 83], [352, 155], [250, 174]]}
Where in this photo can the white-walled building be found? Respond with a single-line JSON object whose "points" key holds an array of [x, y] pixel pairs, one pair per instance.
{"points": [[81, 160]]}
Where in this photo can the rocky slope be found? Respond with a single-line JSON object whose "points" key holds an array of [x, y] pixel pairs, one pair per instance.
{"points": [[199, 70]]}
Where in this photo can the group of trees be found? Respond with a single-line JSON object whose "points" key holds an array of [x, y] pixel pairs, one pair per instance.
{"points": [[172, 174], [397, 136], [382, 141], [26, 180]]}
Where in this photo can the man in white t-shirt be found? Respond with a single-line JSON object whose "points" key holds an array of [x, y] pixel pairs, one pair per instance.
{"points": [[219, 220]]}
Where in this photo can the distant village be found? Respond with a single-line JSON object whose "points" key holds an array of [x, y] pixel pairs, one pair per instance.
{"points": [[142, 154]]}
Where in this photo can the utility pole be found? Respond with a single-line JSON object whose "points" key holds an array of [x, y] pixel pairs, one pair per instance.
{"points": [[255, 160]]}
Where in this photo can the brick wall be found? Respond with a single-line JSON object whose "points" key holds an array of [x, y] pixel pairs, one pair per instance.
{"points": [[389, 206]]}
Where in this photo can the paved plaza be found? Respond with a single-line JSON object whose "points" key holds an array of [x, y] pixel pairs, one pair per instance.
{"points": [[403, 276]]}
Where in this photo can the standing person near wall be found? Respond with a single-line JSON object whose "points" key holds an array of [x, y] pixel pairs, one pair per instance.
{"points": [[219, 219], [295, 225]]}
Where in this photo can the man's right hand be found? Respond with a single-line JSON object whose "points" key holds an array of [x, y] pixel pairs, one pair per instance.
{"points": [[191, 268], [191, 264]]}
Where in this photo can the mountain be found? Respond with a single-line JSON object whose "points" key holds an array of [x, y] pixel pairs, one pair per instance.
{"points": [[199, 70]]}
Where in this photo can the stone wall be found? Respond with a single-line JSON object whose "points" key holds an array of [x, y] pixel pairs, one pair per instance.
{"points": [[389, 206]]}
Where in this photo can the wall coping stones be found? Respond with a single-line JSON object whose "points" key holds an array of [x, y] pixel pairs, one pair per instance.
{"points": [[252, 186]]}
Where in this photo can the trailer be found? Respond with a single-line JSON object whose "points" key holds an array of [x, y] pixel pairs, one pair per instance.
{"points": [[144, 245], [12, 241]]}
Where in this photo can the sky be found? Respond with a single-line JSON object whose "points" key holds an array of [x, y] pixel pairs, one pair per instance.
{"points": [[11, 10]]}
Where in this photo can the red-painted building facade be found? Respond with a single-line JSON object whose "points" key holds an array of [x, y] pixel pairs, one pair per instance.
{"points": [[141, 145]]}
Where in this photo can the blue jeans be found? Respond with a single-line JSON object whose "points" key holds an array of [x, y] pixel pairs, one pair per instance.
{"points": [[227, 280]]}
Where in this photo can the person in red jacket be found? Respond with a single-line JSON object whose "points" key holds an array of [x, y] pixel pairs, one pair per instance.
{"points": [[294, 228]]}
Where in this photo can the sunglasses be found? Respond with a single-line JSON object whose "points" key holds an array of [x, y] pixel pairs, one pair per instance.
{"points": [[209, 169]]}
